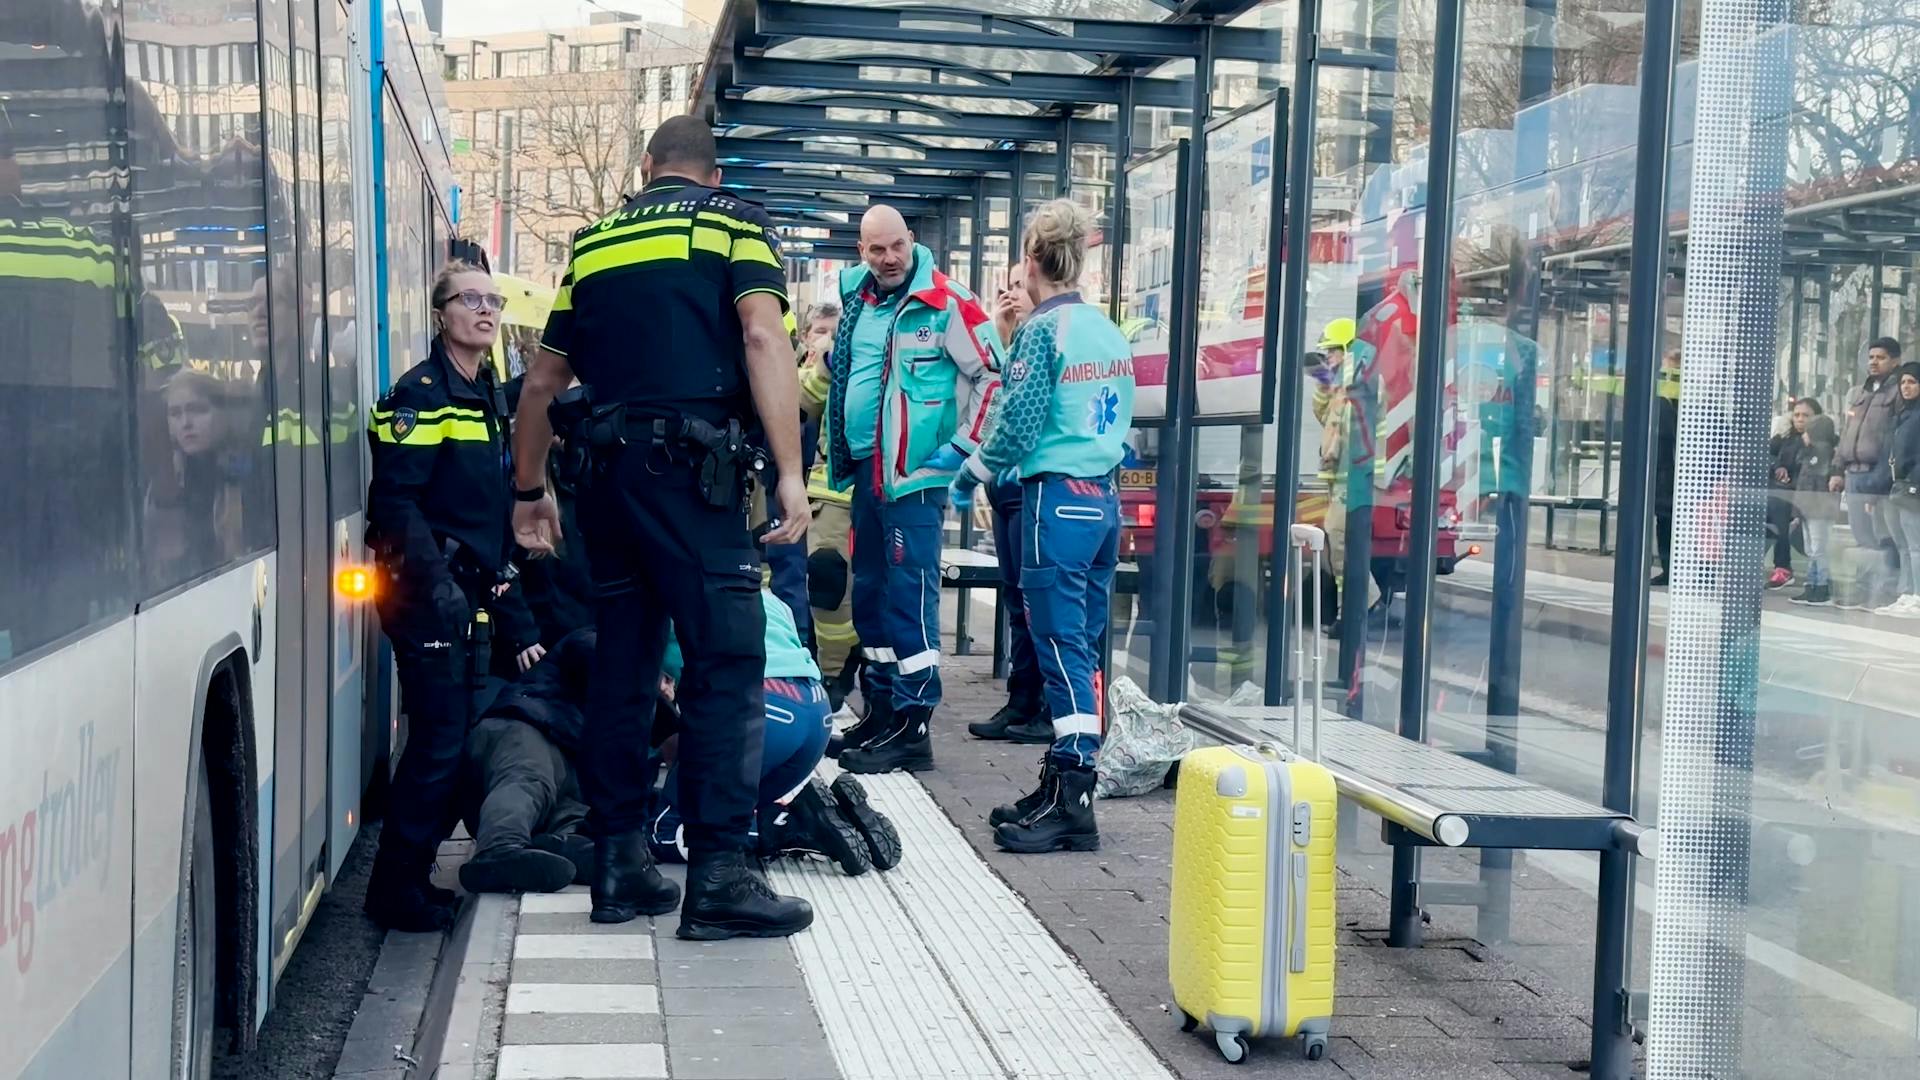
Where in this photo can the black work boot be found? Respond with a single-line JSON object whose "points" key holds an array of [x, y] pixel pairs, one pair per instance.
{"points": [[1017, 710], [1064, 820], [574, 848], [877, 721], [625, 881], [906, 746], [882, 839], [815, 826], [516, 869], [1033, 731], [400, 895], [1030, 802], [727, 898]]}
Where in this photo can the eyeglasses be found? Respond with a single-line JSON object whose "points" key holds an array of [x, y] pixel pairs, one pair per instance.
{"points": [[478, 301]]}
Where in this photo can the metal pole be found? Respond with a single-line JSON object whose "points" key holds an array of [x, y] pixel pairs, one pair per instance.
{"points": [[1016, 207], [976, 241], [1117, 210], [1063, 164], [1290, 353], [1612, 1055], [506, 193], [1430, 380], [1174, 541]]}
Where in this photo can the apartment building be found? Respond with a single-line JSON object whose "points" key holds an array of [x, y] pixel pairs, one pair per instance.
{"points": [[548, 127]]}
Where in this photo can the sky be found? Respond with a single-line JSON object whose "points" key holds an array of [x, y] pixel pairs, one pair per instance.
{"points": [[465, 18]]}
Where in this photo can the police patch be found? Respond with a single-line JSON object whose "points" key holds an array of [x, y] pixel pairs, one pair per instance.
{"points": [[923, 335], [404, 421]]}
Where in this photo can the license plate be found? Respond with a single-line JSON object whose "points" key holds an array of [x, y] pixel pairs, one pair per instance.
{"points": [[1139, 478]]}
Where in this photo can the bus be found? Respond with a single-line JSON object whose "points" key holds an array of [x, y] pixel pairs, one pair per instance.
{"points": [[218, 220]]}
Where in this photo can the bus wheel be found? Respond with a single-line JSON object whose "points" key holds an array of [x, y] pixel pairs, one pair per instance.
{"points": [[195, 946]]}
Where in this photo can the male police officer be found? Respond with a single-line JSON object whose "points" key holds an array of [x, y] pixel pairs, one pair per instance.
{"points": [[671, 311], [914, 368]]}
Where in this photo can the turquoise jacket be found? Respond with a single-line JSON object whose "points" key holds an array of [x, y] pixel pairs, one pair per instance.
{"points": [[940, 377], [1069, 396], [787, 655]]}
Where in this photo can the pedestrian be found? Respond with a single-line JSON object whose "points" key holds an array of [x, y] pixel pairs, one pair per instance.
{"points": [[1024, 718], [1861, 451], [438, 505], [1813, 500], [914, 369], [1666, 441], [1903, 492], [1069, 404], [696, 273], [1781, 520]]}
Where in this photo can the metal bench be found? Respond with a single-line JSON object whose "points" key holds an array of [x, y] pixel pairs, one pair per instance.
{"points": [[965, 569], [1431, 797], [1553, 504]]}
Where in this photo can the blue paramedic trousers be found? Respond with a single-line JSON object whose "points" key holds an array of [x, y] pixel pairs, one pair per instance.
{"points": [[1069, 549], [1024, 684], [896, 591], [798, 724]]}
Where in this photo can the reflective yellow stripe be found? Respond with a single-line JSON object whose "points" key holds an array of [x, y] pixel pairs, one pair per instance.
{"points": [[713, 240], [79, 244], [80, 268], [732, 222], [632, 252], [563, 300], [434, 434], [835, 632], [435, 414], [594, 239], [753, 249]]}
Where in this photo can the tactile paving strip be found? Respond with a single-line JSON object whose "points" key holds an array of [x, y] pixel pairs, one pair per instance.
{"points": [[967, 981]]}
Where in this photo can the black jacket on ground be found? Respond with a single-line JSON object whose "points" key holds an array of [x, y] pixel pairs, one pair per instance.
{"points": [[550, 694]]}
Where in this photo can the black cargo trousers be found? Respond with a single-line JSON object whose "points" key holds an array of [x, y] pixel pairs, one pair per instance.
{"points": [[520, 784], [431, 652], [659, 551]]}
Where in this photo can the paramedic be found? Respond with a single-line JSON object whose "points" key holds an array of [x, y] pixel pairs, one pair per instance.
{"points": [[914, 369], [1023, 719], [1069, 403], [437, 522], [696, 272]]}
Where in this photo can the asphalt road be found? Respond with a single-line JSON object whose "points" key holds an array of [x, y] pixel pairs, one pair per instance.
{"points": [[321, 989]]}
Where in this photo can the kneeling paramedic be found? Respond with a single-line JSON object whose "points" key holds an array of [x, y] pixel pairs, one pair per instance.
{"points": [[798, 814], [1069, 403], [670, 313], [438, 506], [914, 369]]}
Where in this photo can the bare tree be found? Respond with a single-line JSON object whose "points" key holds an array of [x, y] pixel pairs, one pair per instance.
{"points": [[577, 143]]}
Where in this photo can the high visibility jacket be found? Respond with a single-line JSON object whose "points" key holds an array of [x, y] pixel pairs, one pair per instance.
{"points": [[440, 473]]}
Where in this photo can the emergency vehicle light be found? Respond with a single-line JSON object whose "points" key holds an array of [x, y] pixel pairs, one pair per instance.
{"points": [[354, 582]]}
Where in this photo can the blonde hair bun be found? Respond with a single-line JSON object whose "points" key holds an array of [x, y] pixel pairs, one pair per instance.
{"points": [[1056, 239]]}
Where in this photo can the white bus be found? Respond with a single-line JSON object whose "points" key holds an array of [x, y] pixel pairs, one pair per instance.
{"points": [[217, 223]]}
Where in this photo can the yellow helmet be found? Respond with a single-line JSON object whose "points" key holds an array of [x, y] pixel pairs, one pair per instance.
{"points": [[1339, 334]]}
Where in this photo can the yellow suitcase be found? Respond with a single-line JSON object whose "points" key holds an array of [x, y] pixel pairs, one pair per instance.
{"points": [[1250, 950]]}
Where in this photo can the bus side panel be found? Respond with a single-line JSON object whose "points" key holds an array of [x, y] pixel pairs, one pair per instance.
{"points": [[66, 858], [178, 643], [348, 713]]}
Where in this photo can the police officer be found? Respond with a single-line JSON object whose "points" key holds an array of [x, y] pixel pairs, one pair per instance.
{"points": [[1061, 431], [438, 520], [671, 312]]}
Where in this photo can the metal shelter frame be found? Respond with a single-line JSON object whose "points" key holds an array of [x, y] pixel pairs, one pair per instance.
{"points": [[824, 109]]}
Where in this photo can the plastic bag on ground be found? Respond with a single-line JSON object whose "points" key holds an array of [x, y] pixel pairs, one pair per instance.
{"points": [[1144, 739]]}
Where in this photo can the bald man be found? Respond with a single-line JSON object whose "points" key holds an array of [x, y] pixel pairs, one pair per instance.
{"points": [[913, 370]]}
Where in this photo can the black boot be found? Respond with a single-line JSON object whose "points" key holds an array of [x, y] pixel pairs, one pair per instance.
{"points": [[1034, 731], [906, 747], [625, 881], [882, 839], [815, 826], [516, 869], [877, 721], [574, 848], [1064, 820], [1030, 802], [1017, 710], [727, 898], [400, 896]]}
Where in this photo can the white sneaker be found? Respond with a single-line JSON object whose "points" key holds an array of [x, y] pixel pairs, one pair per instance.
{"points": [[1893, 610], [1907, 607]]}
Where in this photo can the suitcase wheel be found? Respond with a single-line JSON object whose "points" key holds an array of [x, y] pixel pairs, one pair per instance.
{"points": [[1232, 1047], [1187, 1022], [1315, 1046]]}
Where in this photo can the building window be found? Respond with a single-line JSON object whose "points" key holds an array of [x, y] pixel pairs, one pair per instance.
{"points": [[666, 84], [459, 67], [519, 63], [682, 82], [596, 57], [556, 250], [483, 127]]}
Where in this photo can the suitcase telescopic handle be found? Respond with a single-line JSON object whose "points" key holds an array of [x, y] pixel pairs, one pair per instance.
{"points": [[1307, 538]]}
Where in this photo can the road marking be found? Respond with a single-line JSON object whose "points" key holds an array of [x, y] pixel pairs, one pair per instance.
{"points": [[583, 947], [583, 1061], [603, 998]]}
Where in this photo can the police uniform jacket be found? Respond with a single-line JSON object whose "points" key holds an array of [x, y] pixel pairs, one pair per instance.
{"points": [[440, 474]]}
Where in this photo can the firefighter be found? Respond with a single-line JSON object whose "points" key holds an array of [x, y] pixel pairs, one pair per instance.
{"points": [[914, 368], [438, 517], [696, 274], [1061, 430]]}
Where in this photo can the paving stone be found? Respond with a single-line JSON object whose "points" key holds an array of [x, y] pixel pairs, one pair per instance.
{"points": [[728, 972], [736, 1002], [522, 1028], [610, 1061], [769, 1029], [574, 923], [583, 971], [745, 1061]]}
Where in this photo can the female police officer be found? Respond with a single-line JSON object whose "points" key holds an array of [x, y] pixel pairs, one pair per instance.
{"points": [[439, 519], [1067, 407]]}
